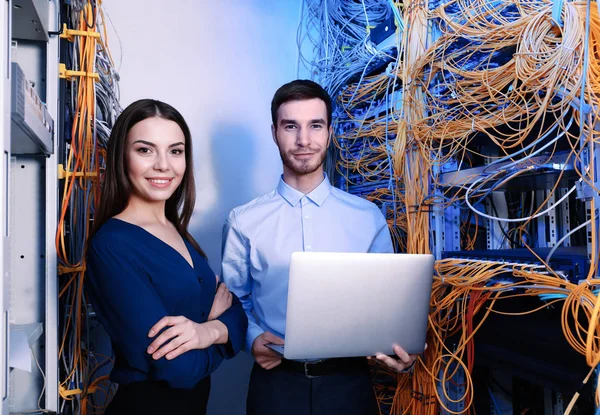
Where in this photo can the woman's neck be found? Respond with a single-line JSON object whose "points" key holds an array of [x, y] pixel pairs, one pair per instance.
{"points": [[141, 212]]}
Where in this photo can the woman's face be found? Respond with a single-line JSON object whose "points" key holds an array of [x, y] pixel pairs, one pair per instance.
{"points": [[155, 156]]}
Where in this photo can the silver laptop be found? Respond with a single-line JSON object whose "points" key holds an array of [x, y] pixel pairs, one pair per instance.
{"points": [[351, 304]]}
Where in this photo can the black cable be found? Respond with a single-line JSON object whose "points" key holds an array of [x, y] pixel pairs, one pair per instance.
{"points": [[93, 3], [512, 242]]}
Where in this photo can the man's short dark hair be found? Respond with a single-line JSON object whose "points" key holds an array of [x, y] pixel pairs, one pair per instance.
{"points": [[300, 90]]}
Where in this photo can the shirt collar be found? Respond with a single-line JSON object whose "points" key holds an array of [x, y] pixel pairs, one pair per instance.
{"points": [[292, 196]]}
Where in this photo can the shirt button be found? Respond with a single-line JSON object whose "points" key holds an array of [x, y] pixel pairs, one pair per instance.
{"points": [[309, 248], [200, 280], [306, 217]]}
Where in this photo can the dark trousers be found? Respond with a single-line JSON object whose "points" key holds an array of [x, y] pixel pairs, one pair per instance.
{"points": [[281, 392], [157, 398]]}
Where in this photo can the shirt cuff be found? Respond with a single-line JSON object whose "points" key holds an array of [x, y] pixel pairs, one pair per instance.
{"points": [[253, 332]]}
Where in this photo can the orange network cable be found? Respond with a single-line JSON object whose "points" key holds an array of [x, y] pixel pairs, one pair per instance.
{"points": [[79, 150], [561, 70], [80, 193], [531, 96]]}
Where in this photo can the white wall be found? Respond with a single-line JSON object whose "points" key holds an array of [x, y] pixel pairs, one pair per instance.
{"points": [[218, 63]]}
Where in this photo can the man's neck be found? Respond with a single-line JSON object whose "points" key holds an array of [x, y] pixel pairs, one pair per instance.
{"points": [[304, 183]]}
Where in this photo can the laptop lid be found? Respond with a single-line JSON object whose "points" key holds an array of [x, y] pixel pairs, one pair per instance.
{"points": [[356, 304]]}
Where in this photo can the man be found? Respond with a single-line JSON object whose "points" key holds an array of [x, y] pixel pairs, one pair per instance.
{"points": [[304, 213]]}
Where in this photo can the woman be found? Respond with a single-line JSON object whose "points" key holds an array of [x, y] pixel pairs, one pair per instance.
{"points": [[144, 266]]}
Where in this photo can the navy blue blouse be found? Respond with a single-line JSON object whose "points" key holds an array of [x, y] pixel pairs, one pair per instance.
{"points": [[135, 279]]}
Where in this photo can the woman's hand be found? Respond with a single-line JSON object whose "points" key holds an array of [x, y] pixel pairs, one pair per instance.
{"points": [[184, 335], [222, 301]]}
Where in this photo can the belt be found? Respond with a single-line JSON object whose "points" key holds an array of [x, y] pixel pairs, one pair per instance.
{"points": [[324, 367]]}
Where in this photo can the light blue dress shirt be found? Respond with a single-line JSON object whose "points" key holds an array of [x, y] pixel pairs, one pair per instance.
{"points": [[260, 237]]}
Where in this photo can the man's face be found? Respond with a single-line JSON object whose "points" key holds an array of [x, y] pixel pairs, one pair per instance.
{"points": [[302, 135]]}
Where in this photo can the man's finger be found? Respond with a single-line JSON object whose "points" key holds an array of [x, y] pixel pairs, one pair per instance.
{"points": [[269, 363], [402, 354], [270, 353], [262, 349], [271, 338], [266, 353], [272, 364], [393, 363]]}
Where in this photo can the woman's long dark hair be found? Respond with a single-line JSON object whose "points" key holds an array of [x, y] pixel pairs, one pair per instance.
{"points": [[116, 188]]}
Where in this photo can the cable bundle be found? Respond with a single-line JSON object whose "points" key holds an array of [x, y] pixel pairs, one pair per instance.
{"points": [[91, 110], [505, 85]]}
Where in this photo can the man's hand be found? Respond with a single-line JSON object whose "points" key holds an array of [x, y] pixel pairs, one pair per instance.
{"points": [[265, 357], [404, 361]]}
